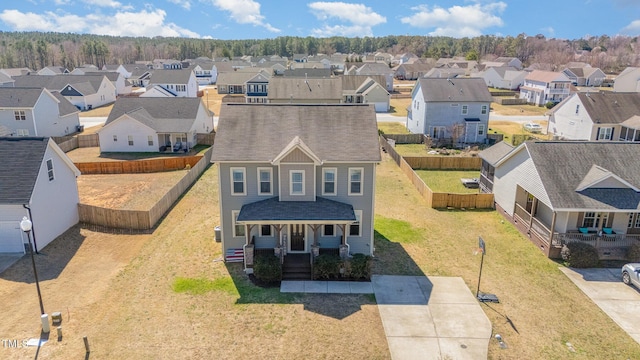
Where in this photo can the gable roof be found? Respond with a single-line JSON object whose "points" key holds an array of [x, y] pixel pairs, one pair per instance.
{"points": [[65, 107], [20, 161], [331, 132], [305, 89], [173, 76], [158, 108], [352, 83], [610, 107], [239, 77], [86, 84], [496, 152], [374, 69], [11, 97], [563, 166], [163, 125], [308, 73], [547, 76], [454, 90]]}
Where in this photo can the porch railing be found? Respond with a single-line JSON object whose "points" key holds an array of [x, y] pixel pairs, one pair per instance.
{"points": [[604, 241]]}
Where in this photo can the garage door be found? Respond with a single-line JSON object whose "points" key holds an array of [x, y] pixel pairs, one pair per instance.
{"points": [[381, 107], [11, 237]]}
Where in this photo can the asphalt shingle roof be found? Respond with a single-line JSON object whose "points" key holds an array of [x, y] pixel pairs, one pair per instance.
{"points": [[176, 76], [496, 152], [610, 107], [562, 167], [158, 108], [454, 90], [86, 84], [332, 132], [274, 210], [20, 160], [305, 89]]}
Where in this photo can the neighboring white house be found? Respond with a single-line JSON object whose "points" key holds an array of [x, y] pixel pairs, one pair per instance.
{"points": [[603, 116], [562, 191], [83, 91], [37, 176], [585, 76], [504, 77], [53, 70], [362, 89], [450, 109], [179, 82], [154, 125], [504, 61], [541, 87], [628, 80], [37, 112]]}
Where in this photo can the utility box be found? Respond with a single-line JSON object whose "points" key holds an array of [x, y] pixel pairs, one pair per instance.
{"points": [[218, 234]]}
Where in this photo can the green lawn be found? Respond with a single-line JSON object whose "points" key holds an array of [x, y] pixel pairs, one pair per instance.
{"points": [[540, 309], [393, 128], [448, 181]]}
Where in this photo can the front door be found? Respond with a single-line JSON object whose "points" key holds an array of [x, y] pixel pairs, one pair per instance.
{"points": [[297, 242]]}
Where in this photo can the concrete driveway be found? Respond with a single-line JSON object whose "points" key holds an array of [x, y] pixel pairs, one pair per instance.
{"points": [[6, 260], [431, 318], [605, 288]]}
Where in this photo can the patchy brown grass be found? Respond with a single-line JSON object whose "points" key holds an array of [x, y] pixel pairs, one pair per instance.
{"points": [[393, 128], [398, 107], [100, 111], [509, 128], [518, 110]]}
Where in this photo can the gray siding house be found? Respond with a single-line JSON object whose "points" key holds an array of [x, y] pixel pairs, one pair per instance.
{"points": [[305, 182], [455, 110]]}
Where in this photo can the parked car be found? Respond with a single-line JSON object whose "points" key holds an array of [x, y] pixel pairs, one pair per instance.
{"points": [[532, 127], [631, 274]]}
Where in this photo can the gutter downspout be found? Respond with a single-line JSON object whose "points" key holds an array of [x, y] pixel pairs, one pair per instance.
{"points": [[33, 231]]}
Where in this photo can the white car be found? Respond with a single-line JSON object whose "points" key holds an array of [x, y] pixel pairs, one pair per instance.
{"points": [[631, 274], [532, 127]]}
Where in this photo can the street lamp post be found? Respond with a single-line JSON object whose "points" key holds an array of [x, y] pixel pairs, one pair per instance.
{"points": [[26, 225]]}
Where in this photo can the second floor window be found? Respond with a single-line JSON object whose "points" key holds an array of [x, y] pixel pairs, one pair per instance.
{"points": [[50, 169], [264, 181], [238, 181], [329, 181], [20, 115], [465, 109], [296, 185], [605, 133], [355, 181], [483, 110]]}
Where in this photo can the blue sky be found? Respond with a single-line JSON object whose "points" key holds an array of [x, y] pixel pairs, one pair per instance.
{"points": [[259, 19]]}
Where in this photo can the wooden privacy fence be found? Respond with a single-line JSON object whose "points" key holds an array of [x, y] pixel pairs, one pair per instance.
{"points": [[444, 162], [437, 200], [140, 219], [406, 138], [138, 166], [88, 140], [206, 139], [67, 145]]}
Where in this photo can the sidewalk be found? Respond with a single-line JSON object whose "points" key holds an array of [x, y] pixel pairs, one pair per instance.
{"points": [[423, 318]]}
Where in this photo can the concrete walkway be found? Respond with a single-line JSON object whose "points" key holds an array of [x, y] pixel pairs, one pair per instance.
{"points": [[606, 289], [423, 318], [6, 260]]}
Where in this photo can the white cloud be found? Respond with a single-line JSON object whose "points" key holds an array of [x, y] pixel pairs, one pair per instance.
{"points": [[457, 21], [105, 3], [184, 3], [632, 29], [62, 2], [244, 12], [143, 23], [360, 18], [549, 30]]}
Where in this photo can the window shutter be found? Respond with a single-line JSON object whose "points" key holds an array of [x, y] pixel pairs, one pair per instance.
{"points": [[613, 130], [598, 134]]}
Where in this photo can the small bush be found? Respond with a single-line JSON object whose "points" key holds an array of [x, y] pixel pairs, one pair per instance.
{"points": [[580, 255], [360, 267], [267, 268], [326, 266], [634, 253], [549, 104]]}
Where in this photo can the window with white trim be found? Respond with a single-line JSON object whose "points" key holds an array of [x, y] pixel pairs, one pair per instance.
{"points": [[355, 181], [355, 229], [264, 181], [22, 132], [329, 230], [19, 115], [150, 140], [296, 182], [130, 140], [238, 178], [637, 223], [630, 221], [480, 129], [265, 230], [115, 138], [50, 169], [437, 132], [483, 109], [593, 219], [605, 133], [465, 109], [329, 181], [238, 229]]}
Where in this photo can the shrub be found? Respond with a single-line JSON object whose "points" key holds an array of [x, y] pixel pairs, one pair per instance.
{"points": [[634, 253], [267, 268], [326, 266], [360, 267], [580, 255], [549, 104]]}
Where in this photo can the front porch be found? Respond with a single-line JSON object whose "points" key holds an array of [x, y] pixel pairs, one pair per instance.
{"points": [[611, 243]]}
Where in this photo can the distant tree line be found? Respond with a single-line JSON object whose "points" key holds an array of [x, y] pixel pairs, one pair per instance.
{"points": [[36, 50]]}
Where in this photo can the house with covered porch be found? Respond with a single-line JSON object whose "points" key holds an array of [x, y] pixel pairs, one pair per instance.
{"points": [[560, 192], [155, 125], [304, 182]]}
